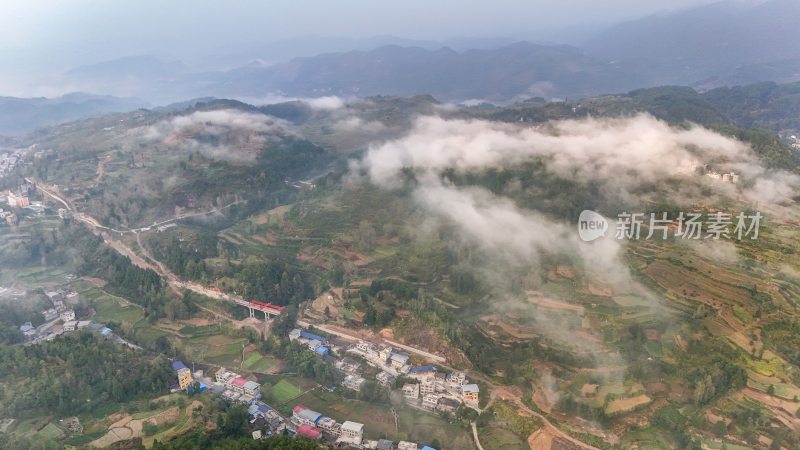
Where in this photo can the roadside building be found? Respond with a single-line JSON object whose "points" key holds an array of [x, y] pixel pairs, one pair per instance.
{"points": [[83, 324], [398, 360], [385, 353], [411, 391], [422, 372], [223, 376], [428, 386], [237, 384], [330, 426], [252, 388], [184, 374], [67, 315], [470, 393], [352, 433], [302, 415], [405, 445], [430, 401], [456, 378], [385, 444], [70, 326]]}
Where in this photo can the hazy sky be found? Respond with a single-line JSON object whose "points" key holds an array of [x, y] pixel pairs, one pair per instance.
{"points": [[52, 35]]}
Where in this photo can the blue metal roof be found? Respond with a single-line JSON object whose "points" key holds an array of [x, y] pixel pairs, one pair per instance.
{"points": [[421, 369], [322, 350], [311, 336], [178, 365]]}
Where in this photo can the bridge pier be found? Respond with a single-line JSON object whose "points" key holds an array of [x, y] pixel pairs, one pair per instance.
{"points": [[252, 312]]}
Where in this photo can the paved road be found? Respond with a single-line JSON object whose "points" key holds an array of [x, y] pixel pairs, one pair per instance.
{"points": [[174, 280], [143, 262]]}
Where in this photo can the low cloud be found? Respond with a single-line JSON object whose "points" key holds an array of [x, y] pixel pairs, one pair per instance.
{"points": [[221, 134], [620, 154], [325, 103]]}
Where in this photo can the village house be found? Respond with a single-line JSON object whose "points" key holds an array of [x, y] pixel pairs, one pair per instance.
{"points": [[448, 405], [456, 378], [49, 314], [430, 401], [352, 433], [54, 296], [17, 201], [237, 384], [348, 365], [440, 381], [70, 326], [223, 376], [302, 415], [353, 382], [252, 388], [422, 372], [428, 386], [363, 346], [385, 353], [384, 444], [470, 393], [67, 315], [184, 374], [411, 391], [385, 378], [330, 426], [27, 329], [405, 445], [398, 360]]}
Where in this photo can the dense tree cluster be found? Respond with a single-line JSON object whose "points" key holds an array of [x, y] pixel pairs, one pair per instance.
{"points": [[76, 373]]}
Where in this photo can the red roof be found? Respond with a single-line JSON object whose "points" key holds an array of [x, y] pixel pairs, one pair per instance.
{"points": [[299, 408], [308, 431], [239, 381], [267, 305]]}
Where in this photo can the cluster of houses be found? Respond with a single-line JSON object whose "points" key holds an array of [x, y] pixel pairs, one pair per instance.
{"points": [[9, 160], [391, 362], [385, 357], [59, 312], [236, 388], [437, 391], [313, 425]]}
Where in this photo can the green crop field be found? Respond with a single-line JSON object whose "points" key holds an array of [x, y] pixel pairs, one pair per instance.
{"points": [[108, 308], [258, 363], [499, 439], [284, 391]]}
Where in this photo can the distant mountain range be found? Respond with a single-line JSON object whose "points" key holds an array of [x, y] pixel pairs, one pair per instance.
{"points": [[728, 43], [21, 115], [725, 43]]}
